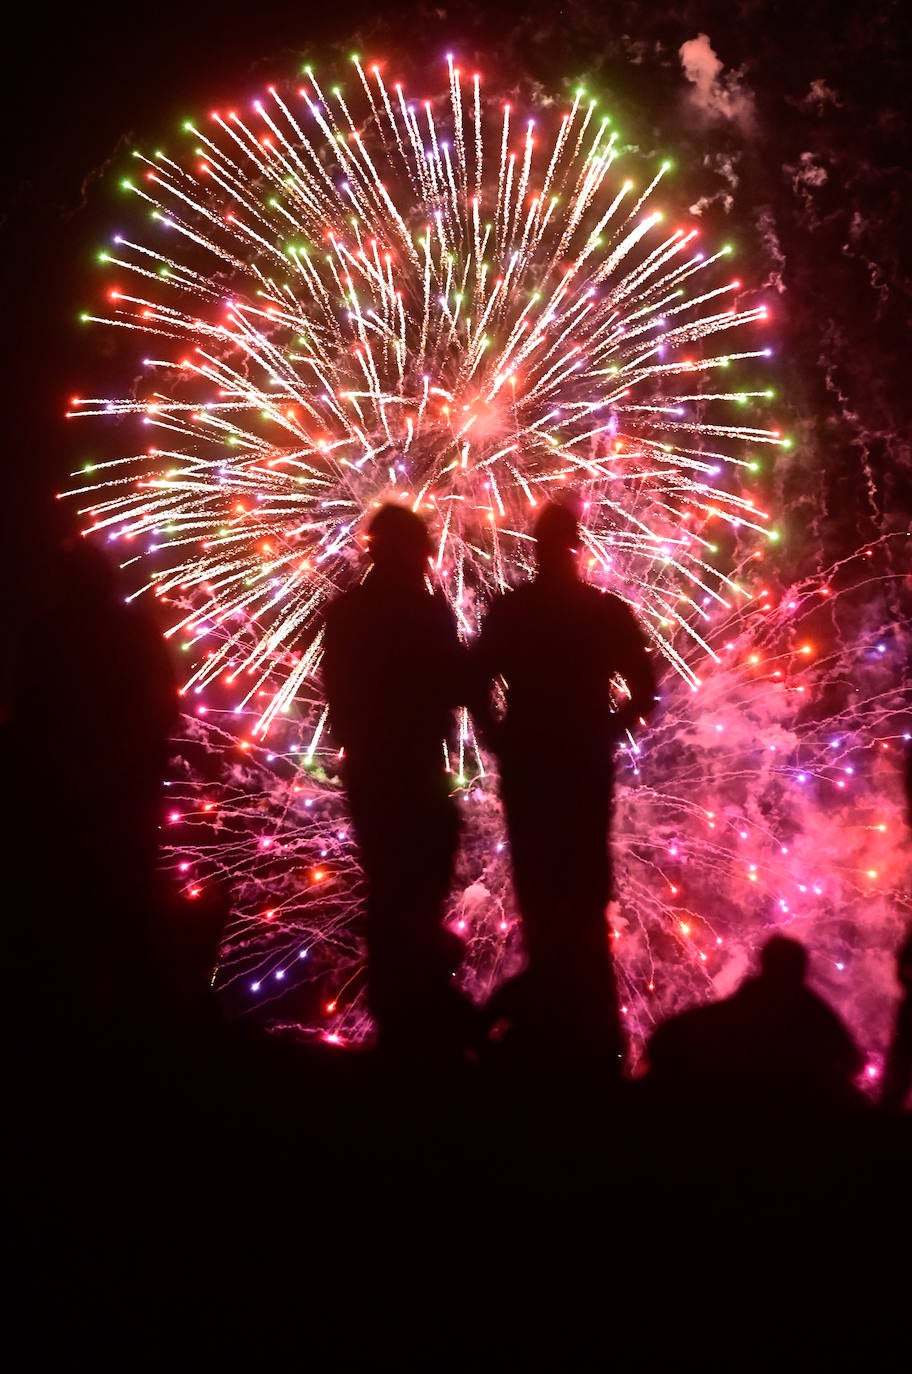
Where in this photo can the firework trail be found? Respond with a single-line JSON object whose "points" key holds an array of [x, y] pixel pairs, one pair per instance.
{"points": [[347, 297]]}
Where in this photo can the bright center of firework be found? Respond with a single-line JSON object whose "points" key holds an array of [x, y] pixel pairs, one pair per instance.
{"points": [[484, 421]]}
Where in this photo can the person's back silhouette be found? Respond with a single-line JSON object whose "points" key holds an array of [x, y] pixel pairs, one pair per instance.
{"points": [[559, 648], [773, 1042], [897, 1079], [393, 671]]}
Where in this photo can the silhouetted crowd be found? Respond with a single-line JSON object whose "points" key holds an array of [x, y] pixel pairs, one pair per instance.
{"points": [[484, 1188]]}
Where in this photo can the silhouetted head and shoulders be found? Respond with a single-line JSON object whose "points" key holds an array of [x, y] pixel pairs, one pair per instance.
{"points": [[782, 991], [896, 1086], [559, 642], [392, 661], [773, 1039], [557, 580], [904, 961]]}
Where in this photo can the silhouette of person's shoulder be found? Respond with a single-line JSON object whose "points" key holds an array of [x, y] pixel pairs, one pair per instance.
{"points": [[611, 608], [782, 1040], [359, 605], [392, 665], [511, 619], [812, 1025], [346, 607], [402, 629], [690, 1043], [526, 601], [573, 593]]}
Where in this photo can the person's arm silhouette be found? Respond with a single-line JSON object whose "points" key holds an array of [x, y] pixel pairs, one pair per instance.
{"points": [[456, 672], [338, 670], [636, 668], [483, 668]]}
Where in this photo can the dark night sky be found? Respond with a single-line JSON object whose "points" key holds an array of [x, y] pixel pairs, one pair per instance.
{"points": [[799, 150]]}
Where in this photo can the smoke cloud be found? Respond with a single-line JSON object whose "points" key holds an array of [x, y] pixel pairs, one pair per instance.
{"points": [[718, 96]]}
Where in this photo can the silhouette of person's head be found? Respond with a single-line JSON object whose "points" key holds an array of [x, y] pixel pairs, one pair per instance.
{"points": [[784, 963], [398, 543], [557, 535]]}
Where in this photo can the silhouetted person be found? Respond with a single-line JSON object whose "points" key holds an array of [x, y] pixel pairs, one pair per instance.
{"points": [[897, 1079], [558, 647], [773, 1043], [393, 671]]}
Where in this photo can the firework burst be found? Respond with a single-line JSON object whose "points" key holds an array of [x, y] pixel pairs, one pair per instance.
{"points": [[350, 296]]}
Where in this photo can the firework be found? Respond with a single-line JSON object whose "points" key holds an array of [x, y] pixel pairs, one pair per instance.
{"points": [[348, 296]]}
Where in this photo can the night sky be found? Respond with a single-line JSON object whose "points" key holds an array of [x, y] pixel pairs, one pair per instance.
{"points": [[789, 127]]}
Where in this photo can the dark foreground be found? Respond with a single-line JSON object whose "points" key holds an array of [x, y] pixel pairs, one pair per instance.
{"points": [[221, 1198]]}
